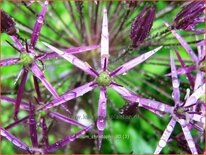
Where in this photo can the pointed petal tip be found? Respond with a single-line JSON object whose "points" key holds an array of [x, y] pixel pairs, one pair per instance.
{"points": [[158, 48], [166, 24], [100, 134], [44, 43]]}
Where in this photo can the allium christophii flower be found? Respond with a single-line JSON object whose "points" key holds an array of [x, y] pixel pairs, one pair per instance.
{"points": [[103, 79], [109, 76], [29, 58], [190, 16], [141, 25], [182, 112]]}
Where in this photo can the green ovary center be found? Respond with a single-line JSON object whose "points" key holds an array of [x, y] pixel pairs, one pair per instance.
{"points": [[104, 79], [26, 58]]}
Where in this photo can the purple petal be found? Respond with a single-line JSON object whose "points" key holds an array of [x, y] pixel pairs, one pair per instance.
{"points": [[17, 43], [66, 108], [38, 25], [175, 81], [36, 86], [201, 43], [40, 75], [102, 111], [32, 126], [197, 118], [131, 109], [20, 93], [24, 105], [13, 139], [73, 60], [195, 96], [72, 50], [183, 70], [188, 136], [200, 49], [79, 91], [184, 44], [199, 79], [165, 136], [155, 105], [132, 97], [146, 103], [8, 62], [190, 78], [132, 63], [125, 93], [44, 131], [65, 119], [66, 140], [16, 123], [104, 42]]}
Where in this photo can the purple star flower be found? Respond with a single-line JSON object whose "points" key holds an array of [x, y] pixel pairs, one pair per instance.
{"points": [[29, 58], [103, 79], [182, 112]]}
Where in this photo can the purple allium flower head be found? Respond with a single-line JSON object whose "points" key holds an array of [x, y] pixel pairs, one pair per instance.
{"points": [[103, 79], [189, 16], [182, 113], [28, 58], [142, 24]]}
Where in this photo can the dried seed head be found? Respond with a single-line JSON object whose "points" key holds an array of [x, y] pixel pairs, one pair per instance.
{"points": [[142, 24], [7, 24]]}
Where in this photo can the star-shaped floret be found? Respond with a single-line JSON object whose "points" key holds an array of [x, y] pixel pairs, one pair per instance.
{"points": [[182, 112], [28, 58], [103, 78]]}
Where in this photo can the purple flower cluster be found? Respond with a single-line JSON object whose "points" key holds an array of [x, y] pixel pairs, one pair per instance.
{"points": [[189, 113]]}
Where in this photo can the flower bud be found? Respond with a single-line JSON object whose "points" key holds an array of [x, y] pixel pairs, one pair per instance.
{"points": [[189, 16], [142, 24], [7, 24]]}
